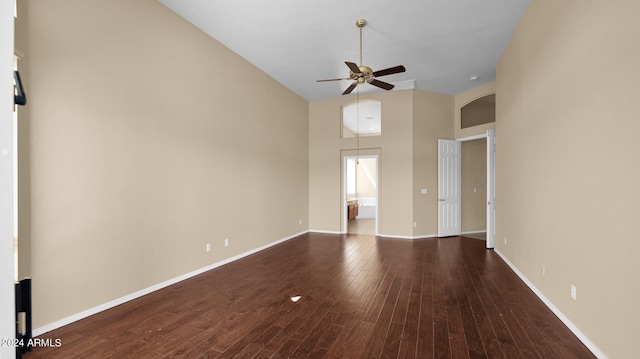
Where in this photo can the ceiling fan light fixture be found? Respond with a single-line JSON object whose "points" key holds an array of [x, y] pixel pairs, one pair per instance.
{"points": [[360, 74]]}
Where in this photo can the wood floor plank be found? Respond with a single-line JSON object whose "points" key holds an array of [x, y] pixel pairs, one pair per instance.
{"points": [[425, 344], [287, 349], [457, 336], [356, 342], [379, 298], [469, 324], [391, 346], [315, 334], [411, 327], [273, 345], [344, 343], [379, 335], [522, 342], [361, 296], [441, 347], [486, 331]]}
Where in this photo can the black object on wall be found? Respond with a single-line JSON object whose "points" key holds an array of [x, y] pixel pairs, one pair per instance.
{"points": [[20, 98], [23, 317]]}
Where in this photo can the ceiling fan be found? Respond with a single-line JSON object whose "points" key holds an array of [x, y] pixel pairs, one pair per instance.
{"points": [[364, 74]]}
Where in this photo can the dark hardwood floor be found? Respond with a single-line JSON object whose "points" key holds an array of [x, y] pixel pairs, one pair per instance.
{"points": [[361, 297]]}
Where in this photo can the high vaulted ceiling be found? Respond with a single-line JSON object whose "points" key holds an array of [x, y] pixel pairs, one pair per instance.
{"points": [[442, 43]]}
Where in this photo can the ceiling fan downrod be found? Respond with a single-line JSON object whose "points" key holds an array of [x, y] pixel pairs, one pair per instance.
{"points": [[360, 24]]}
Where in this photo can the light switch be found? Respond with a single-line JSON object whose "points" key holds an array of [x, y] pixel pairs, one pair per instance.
{"points": [[423, 191]]}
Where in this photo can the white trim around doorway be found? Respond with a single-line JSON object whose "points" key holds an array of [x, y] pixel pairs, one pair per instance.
{"points": [[345, 155]]}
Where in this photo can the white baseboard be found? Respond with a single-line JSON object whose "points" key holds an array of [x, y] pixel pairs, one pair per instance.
{"points": [[324, 232], [377, 235], [583, 338], [394, 236], [408, 237], [426, 236], [89, 312], [478, 231]]}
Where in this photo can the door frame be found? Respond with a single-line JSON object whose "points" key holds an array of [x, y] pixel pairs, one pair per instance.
{"points": [[345, 220], [7, 285], [490, 137], [491, 188]]}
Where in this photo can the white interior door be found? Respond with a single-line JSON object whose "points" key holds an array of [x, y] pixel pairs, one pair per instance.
{"points": [[491, 188], [449, 188]]}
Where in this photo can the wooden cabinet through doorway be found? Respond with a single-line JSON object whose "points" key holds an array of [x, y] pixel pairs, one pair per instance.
{"points": [[352, 209]]}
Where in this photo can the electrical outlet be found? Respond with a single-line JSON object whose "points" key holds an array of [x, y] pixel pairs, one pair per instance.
{"points": [[505, 240], [208, 247], [226, 242], [415, 224], [300, 221], [573, 292], [543, 270]]}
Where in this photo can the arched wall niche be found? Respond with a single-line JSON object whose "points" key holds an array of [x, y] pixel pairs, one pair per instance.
{"points": [[478, 112], [465, 98]]}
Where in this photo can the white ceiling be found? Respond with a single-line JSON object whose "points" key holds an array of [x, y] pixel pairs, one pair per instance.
{"points": [[442, 43]]}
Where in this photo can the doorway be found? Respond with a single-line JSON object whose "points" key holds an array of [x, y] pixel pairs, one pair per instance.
{"points": [[360, 195], [474, 188], [449, 187]]}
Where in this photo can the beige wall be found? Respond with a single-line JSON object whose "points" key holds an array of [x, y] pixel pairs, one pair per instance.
{"points": [[24, 148], [567, 163], [364, 186], [474, 176], [412, 121], [326, 149], [433, 120], [148, 140]]}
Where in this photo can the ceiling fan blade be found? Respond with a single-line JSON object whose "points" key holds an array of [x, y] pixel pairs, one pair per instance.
{"points": [[353, 67], [332, 80], [389, 71], [382, 84], [350, 88]]}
